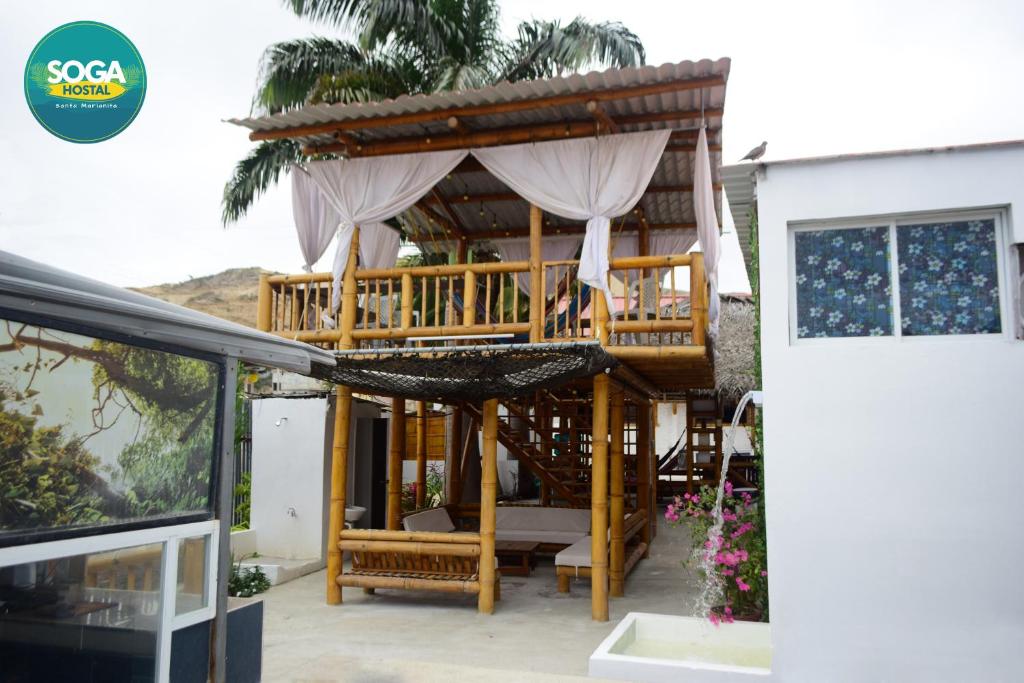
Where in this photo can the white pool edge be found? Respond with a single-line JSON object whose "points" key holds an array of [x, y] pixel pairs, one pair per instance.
{"points": [[603, 663]]}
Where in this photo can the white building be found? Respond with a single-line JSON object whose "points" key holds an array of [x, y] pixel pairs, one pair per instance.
{"points": [[893, 370]]}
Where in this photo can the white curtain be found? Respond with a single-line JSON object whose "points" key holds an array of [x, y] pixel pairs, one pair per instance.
{"points": [[378, 245], [591, 179], [553, 248], [373, 189], [316, 221], [707, 224]]}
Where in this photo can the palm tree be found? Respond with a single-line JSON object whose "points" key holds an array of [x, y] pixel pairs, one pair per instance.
{"points": [[408, 47]]}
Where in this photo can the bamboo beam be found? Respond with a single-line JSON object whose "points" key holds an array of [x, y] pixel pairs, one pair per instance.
{"points": [[409, 536], [411, 547], [643, 468], [439, 585], [510, 135], [486, 197], [406, 300], [365, 123], [395, 458], [460, 229], [617, 551], [657, 352], [421, 453], [599, 500], [536, 276], [442, 270], [430, 331], [451, 230], [488, 501], [469, 299], [601, 116], [265, 296], [454, 469], [628, 228], [349, 294]]}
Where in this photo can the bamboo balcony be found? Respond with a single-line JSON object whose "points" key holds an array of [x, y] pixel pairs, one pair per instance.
{"points": [[658, 332]]}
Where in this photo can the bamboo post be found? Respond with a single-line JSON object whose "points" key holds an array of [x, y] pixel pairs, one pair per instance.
{"points": [[616, 570], [395, 457], [643, 238], [599, 501], [421, 453], [342, 417], [339, 484], [469, 299], [698, 298], [488, 501], [263, 303], [536, 276], [407, 296], [644, 475], [454, 469]]}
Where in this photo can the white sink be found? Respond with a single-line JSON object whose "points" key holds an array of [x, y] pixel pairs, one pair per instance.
{"points": [[353, 513]]}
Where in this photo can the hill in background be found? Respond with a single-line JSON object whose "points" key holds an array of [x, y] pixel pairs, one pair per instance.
{"points": [[230, 295]]}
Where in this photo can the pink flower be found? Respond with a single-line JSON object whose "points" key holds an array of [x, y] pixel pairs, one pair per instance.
{"points": [[727, 572], [713, 618], [764, 573], [728, 488], [742, 586], [728, 616]]}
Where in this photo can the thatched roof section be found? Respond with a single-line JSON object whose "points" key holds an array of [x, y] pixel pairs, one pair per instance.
{"points": [[734, 349]]}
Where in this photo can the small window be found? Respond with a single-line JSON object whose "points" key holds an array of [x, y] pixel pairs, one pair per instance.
{"points": [[949, 278], [843, 284], [947, 282]]}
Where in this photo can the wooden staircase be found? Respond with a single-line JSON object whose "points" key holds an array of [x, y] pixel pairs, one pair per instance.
{"points": [[562, 464]]}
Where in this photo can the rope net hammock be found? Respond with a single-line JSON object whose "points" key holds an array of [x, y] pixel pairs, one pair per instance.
{"points": [[466, 373]]}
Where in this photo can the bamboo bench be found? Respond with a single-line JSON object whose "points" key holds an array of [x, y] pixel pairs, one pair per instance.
{"points": [[414, 560], [575, 560]]}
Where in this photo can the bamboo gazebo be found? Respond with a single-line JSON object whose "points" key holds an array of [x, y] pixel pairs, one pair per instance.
{"points": [[558, 298]]}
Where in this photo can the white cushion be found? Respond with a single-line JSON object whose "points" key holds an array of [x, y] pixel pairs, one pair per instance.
{"points": [[576, 555], [435, 519], [542, 519], [539, 535]]}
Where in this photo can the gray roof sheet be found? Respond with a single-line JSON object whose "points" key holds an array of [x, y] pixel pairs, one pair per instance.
{"points": [[37, 288]]}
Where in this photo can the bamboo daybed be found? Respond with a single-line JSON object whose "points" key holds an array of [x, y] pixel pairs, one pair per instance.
{"points": [[414, 560]]}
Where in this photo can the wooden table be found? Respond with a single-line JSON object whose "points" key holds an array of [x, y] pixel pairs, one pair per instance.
{"points": [[521, 551]]}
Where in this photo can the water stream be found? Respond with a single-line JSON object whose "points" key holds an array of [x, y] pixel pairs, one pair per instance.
{"points": [[712, 593]]}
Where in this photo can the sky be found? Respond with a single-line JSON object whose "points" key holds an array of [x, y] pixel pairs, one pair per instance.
{"points": [[810, 77]]}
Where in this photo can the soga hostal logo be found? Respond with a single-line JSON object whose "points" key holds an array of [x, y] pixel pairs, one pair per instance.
{"points": [[85, 82]]}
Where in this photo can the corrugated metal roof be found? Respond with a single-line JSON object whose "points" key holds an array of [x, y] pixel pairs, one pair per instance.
{"points": [[740, 187], [43, 290], [675, 168]]}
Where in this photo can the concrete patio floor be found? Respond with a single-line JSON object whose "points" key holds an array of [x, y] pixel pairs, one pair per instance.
{"points": [[535, 633]]}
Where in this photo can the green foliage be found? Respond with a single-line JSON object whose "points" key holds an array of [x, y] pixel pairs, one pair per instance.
{"points": [[47, 479], [400, 47], [247, 582], [243, 494]]}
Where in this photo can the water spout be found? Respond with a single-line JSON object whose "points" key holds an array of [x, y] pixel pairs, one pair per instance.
{"points": [[713, 592]]}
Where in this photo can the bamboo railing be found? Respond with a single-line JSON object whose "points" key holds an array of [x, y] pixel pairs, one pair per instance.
{"points": [[401, 305]]}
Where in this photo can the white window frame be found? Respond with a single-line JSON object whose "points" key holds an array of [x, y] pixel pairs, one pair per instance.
{"points": [[1007, 316], [168, 537]]}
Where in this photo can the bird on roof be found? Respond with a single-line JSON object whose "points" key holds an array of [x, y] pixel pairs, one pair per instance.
{"points": [[757, 152]]}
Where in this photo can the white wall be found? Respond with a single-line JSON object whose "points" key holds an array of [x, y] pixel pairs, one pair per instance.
{"points": [[288, 472], [669, 426], [892, 468]]}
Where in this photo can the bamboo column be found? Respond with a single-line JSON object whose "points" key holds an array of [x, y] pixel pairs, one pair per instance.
{"points": [[264, 300], [421, 453], [698, 298], [342, 417], [644, 476], [454, 471], [536, 276], [617, 553], [599, 500], [488, 501], [395, 458]]}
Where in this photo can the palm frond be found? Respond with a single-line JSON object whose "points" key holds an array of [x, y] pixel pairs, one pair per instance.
{"points": [[254, 174], [289, 70], [546, 48], [339, 13]]}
